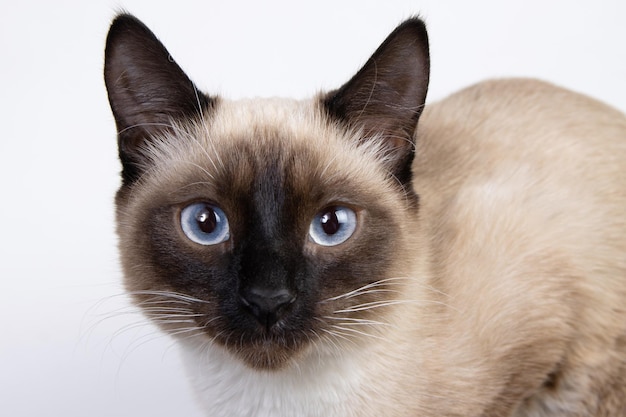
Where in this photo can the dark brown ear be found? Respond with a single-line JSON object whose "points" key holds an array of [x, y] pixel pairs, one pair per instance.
{"points": [[386, 97], [146, 88]]}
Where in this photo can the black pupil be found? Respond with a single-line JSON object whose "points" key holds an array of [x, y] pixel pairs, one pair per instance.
{"points": [[330, 222], [207, 220]]}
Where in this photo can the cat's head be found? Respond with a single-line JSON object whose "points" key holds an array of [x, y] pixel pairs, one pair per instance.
{"points": [[270, 228]]}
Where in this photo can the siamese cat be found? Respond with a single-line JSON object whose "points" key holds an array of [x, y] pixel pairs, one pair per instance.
{"points": [[333, 258]]}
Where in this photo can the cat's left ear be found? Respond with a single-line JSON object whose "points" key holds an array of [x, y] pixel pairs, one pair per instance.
{"points": [[386, 97]]}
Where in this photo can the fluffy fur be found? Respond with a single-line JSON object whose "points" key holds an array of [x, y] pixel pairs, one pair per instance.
{"points": [[489, 279]]}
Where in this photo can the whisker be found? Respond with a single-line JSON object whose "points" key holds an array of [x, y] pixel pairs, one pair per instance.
{"points": [[365, 288], [166, 125], [172, 319], [380, 304], [161, 301], [206, 131], [350, 329], [184, 330], [165, 310], [169, 295], [351, 321], [141, 341], [200, 167], [338, 335]]}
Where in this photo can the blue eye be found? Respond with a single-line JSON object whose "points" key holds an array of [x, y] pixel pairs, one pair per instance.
{"points": [[205, 224], [332, 226]]}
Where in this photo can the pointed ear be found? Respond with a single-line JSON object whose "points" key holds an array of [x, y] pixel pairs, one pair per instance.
{"points": [[386, 97], [146, 88]]}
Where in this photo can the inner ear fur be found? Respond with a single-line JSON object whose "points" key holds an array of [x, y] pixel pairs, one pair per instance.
{"points": [[147, 89]]}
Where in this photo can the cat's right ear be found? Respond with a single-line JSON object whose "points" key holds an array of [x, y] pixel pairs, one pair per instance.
{"points": [[146, 88]]}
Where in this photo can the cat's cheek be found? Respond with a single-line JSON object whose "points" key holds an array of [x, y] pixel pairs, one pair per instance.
{"points": [[169, 261]]}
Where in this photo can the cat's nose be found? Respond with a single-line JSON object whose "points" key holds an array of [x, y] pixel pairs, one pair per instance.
{"points": [[267, 305]]}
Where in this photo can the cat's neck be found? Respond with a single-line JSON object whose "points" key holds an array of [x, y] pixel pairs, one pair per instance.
{"points": [[320, 385]]}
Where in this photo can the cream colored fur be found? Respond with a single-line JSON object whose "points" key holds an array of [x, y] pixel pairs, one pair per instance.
{"points": [[514, 303], [523, 191]]}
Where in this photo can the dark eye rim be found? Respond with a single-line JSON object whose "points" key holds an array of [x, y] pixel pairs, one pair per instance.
{"points": [[360, 214], [178, 207], [177, 212]]}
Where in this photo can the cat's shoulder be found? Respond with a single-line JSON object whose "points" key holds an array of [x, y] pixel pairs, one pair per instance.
{"points": [[502, 95]]}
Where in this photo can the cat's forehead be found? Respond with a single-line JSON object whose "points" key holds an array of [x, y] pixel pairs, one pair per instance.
{"points": [[291, 124], [238, 143], [240, 115]]}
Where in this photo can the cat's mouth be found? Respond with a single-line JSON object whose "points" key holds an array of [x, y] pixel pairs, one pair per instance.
{"points": [[260, 346], [268, 354]]}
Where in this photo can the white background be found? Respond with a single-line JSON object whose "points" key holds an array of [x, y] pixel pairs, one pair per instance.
{"points": [[69, 343]]}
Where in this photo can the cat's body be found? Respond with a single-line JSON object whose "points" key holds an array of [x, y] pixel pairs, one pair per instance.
{"points": [[490, 282]]}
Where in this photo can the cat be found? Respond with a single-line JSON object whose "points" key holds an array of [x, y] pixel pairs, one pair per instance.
{"points": [[334, 257]]}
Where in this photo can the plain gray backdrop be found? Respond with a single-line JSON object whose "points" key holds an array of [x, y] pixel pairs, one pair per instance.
{"points": [[70, 344]]}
